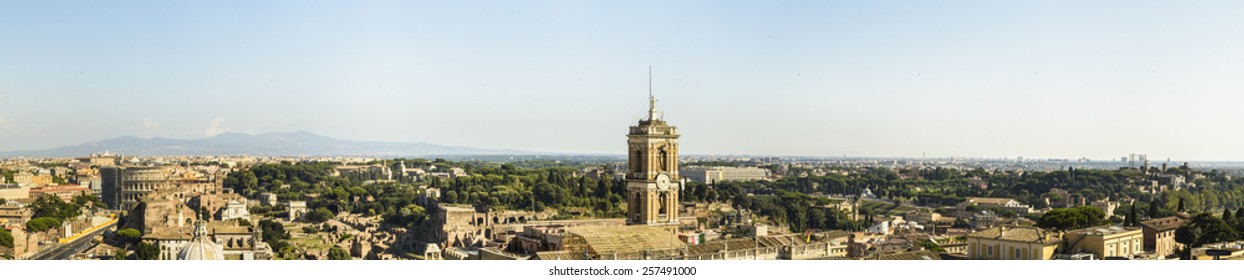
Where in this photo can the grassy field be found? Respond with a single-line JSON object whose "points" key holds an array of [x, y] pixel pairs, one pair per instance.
{"points": [[309, 243], [884, 208]]}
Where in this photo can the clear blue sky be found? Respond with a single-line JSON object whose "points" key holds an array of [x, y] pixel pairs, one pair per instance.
{"points": [[1097, 79]]}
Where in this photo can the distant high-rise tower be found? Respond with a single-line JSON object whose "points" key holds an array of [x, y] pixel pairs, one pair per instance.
{"points": [[652, 180]]}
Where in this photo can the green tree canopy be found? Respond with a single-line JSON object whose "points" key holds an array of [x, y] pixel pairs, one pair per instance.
{"points": [[6, 238], [88, 201], [243, 182], [408, 216], [273, 231], [320, 215], [130, 235], [1072, 218], [960, 223], [146, 251], [42, 224], [1204, 229], [53, 206], [337, 253]]}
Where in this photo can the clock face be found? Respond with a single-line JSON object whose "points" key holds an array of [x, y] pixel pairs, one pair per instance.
{"points": [[663, 181]]}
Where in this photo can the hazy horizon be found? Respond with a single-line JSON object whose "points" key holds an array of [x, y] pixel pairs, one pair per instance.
{"points": [[1050, 79]]}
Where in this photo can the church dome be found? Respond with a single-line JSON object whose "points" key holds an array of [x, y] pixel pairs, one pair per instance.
{"points": [[201, 247]]}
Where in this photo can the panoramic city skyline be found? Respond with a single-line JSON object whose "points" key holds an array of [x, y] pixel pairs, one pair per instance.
{"points": [[708, 139], [890, 79]]}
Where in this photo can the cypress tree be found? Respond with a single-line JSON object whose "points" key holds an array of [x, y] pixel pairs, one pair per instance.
{"points": [[1226, 215], [1239, 213], [1153, 209], [1131, 217], [1181, 205]]}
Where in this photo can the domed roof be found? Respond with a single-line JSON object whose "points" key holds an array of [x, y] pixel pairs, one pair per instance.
{"points": [[200, 247]]}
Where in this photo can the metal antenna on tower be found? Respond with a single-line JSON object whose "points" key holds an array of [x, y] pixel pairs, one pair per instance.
{"points": [[652, 100]]}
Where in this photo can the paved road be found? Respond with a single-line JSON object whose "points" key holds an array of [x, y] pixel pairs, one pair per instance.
{"points": [[66, 251]]}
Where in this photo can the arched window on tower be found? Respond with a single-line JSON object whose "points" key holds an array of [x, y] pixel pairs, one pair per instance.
{"points": [[662, 202], [665, 159], [635, 160]]}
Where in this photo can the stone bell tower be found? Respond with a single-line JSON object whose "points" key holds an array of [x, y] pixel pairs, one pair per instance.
{"points": [[652, 180]]}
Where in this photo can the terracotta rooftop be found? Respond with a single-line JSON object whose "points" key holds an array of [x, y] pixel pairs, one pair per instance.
{"points": [[1163, 224], [1021, 234], [916, 255]]}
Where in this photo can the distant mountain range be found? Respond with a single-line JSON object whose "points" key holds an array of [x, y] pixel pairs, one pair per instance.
{"points": [[299, 143]]}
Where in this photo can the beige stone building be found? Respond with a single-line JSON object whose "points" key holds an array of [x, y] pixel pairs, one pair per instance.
{"points": [[1159, 235], [105, 159], [216, 240], [923, 217], [986, 203], [126, 186], [1106, 206], [137, 182], [63, 192], [23, 178], [540, 238], [235, 209], [652, 180], [1106, 241], [1013, 243], [774, 247], [13, 213], [14, 191], [170, 241], [715, 174], [218, 203], [160, 215], [239, 242]]}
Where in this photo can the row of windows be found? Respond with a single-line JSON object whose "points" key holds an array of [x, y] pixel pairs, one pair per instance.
{"points": [[998, 251], [1124, 248], [145, 187]]}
